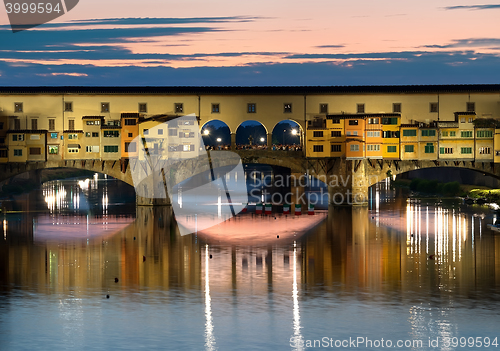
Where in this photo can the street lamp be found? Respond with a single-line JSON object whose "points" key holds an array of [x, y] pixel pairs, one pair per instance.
{"points": [[219, 140], [206, 132], [296, 132], [262, 140]]}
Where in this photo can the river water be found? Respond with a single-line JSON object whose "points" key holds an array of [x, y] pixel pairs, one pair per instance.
{"points": [[82, 269]]}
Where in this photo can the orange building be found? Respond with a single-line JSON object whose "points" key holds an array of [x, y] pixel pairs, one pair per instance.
{"points": [[130, 130], [355, 136]]}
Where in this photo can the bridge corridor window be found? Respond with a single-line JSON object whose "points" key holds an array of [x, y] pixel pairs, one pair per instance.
{"points": [[471, 107], [215, 108], [68, 106], [71, 124], [251, 108], [17, 124], [287, 108], [104, 107], [143, 108], [360, 108], [18, 107], [433, 107], [323, 108], [34, 124], [179, 108], [52, 124], [396, 107]]}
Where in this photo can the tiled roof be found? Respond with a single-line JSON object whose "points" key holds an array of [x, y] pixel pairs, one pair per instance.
{"points": [[93, 117], [362, 115], [73, 131], [257, 90]]}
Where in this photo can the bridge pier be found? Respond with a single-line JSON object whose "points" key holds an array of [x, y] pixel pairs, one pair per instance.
{"points": [[152, 192], [269, 140], [233, 141]]}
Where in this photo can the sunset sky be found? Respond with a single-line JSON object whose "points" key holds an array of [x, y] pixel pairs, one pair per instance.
{"points": [[264, 42]]}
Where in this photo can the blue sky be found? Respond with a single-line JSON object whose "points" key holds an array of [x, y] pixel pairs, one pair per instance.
{"points": [[272, 42]]}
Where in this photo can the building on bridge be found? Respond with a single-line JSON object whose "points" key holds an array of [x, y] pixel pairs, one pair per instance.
{"points": [[386, 122]]}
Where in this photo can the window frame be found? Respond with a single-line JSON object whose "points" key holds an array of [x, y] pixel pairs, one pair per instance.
{"points": [[66, 104], [140, 105], [323, 108], [251, 107], [287, 107], [105, 107], [433, 107], [360, 108], [18, 107], [179, 107], [215, 108], [394, 105]]}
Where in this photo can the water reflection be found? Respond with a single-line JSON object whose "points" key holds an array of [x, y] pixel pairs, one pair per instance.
{"points": [[422, 268]]}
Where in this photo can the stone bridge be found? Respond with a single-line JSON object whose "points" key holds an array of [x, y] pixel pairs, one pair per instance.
{"points": [[348, 180]]}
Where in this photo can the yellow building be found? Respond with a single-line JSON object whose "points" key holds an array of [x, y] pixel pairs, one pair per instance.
{"points": [[73, 140], [428, 141], [390, 129], [409, 147], [91, 142], [318, 137], [130, 130]]}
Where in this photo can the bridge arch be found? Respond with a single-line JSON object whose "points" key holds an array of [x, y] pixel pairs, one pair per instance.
{"points": [[251, 132], [287, 132], [213, 130]]}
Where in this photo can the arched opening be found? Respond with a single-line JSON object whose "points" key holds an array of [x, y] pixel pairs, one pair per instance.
{"points": [[216, 134], [288, 134], [251, 135]]}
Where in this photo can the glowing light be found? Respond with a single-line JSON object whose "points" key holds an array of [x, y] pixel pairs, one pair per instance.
{"points": [[262, 140], [296, 312], [294, 131], [206, 132], [209, 326], [219, 140]]}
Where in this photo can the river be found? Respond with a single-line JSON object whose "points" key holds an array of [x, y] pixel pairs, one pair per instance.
{"points": [[81, 268]]}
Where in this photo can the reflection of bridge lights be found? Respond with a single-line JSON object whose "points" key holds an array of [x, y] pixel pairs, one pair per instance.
{"points": [[4, 229], [209, 326], [84, 184]]}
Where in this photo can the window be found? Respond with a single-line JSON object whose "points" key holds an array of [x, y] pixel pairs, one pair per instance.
{"points": [[34, 124], [87, 134], [35, 151], [215, 108], [429, 148], [130, 122], [143, 107], [466, 150], [18, 137], [433, 107], [390, 120], [470, 119], [462, 119], [172, 132], [336, 148], [111, 134], [318, 134], [68, 107], [444, 133], [409, 132], [53, 150], [104, 106], [17, 124], [336, 120], [373, 134], [484, 150], [179, 108], [34, 137], [71, 124], [391, 134], [396, 107], [287, 108], [130, 135], [18, 107], [354, 147], [72, 136], [360, 108], [52, 124], [130, 147], [2, 140], [471, 107], [466, 134], [111, 148], [452, 134], [185, 123], [336, 133], [446, 150], [409, 148], [392, 148], [146, 132], [160, 131], [251, 108], [323, 108], [94, 149], [372, 120], [429, 132], [186, 134], [3, 154], [317, 148], [18, 152], [91, 123], [373, 148], [53, 135], [353, 122], [485, 134], [95, 134], [73, 150]]}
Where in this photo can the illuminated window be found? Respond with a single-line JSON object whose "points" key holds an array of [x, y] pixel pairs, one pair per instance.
{"points": [[179, 108]]}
